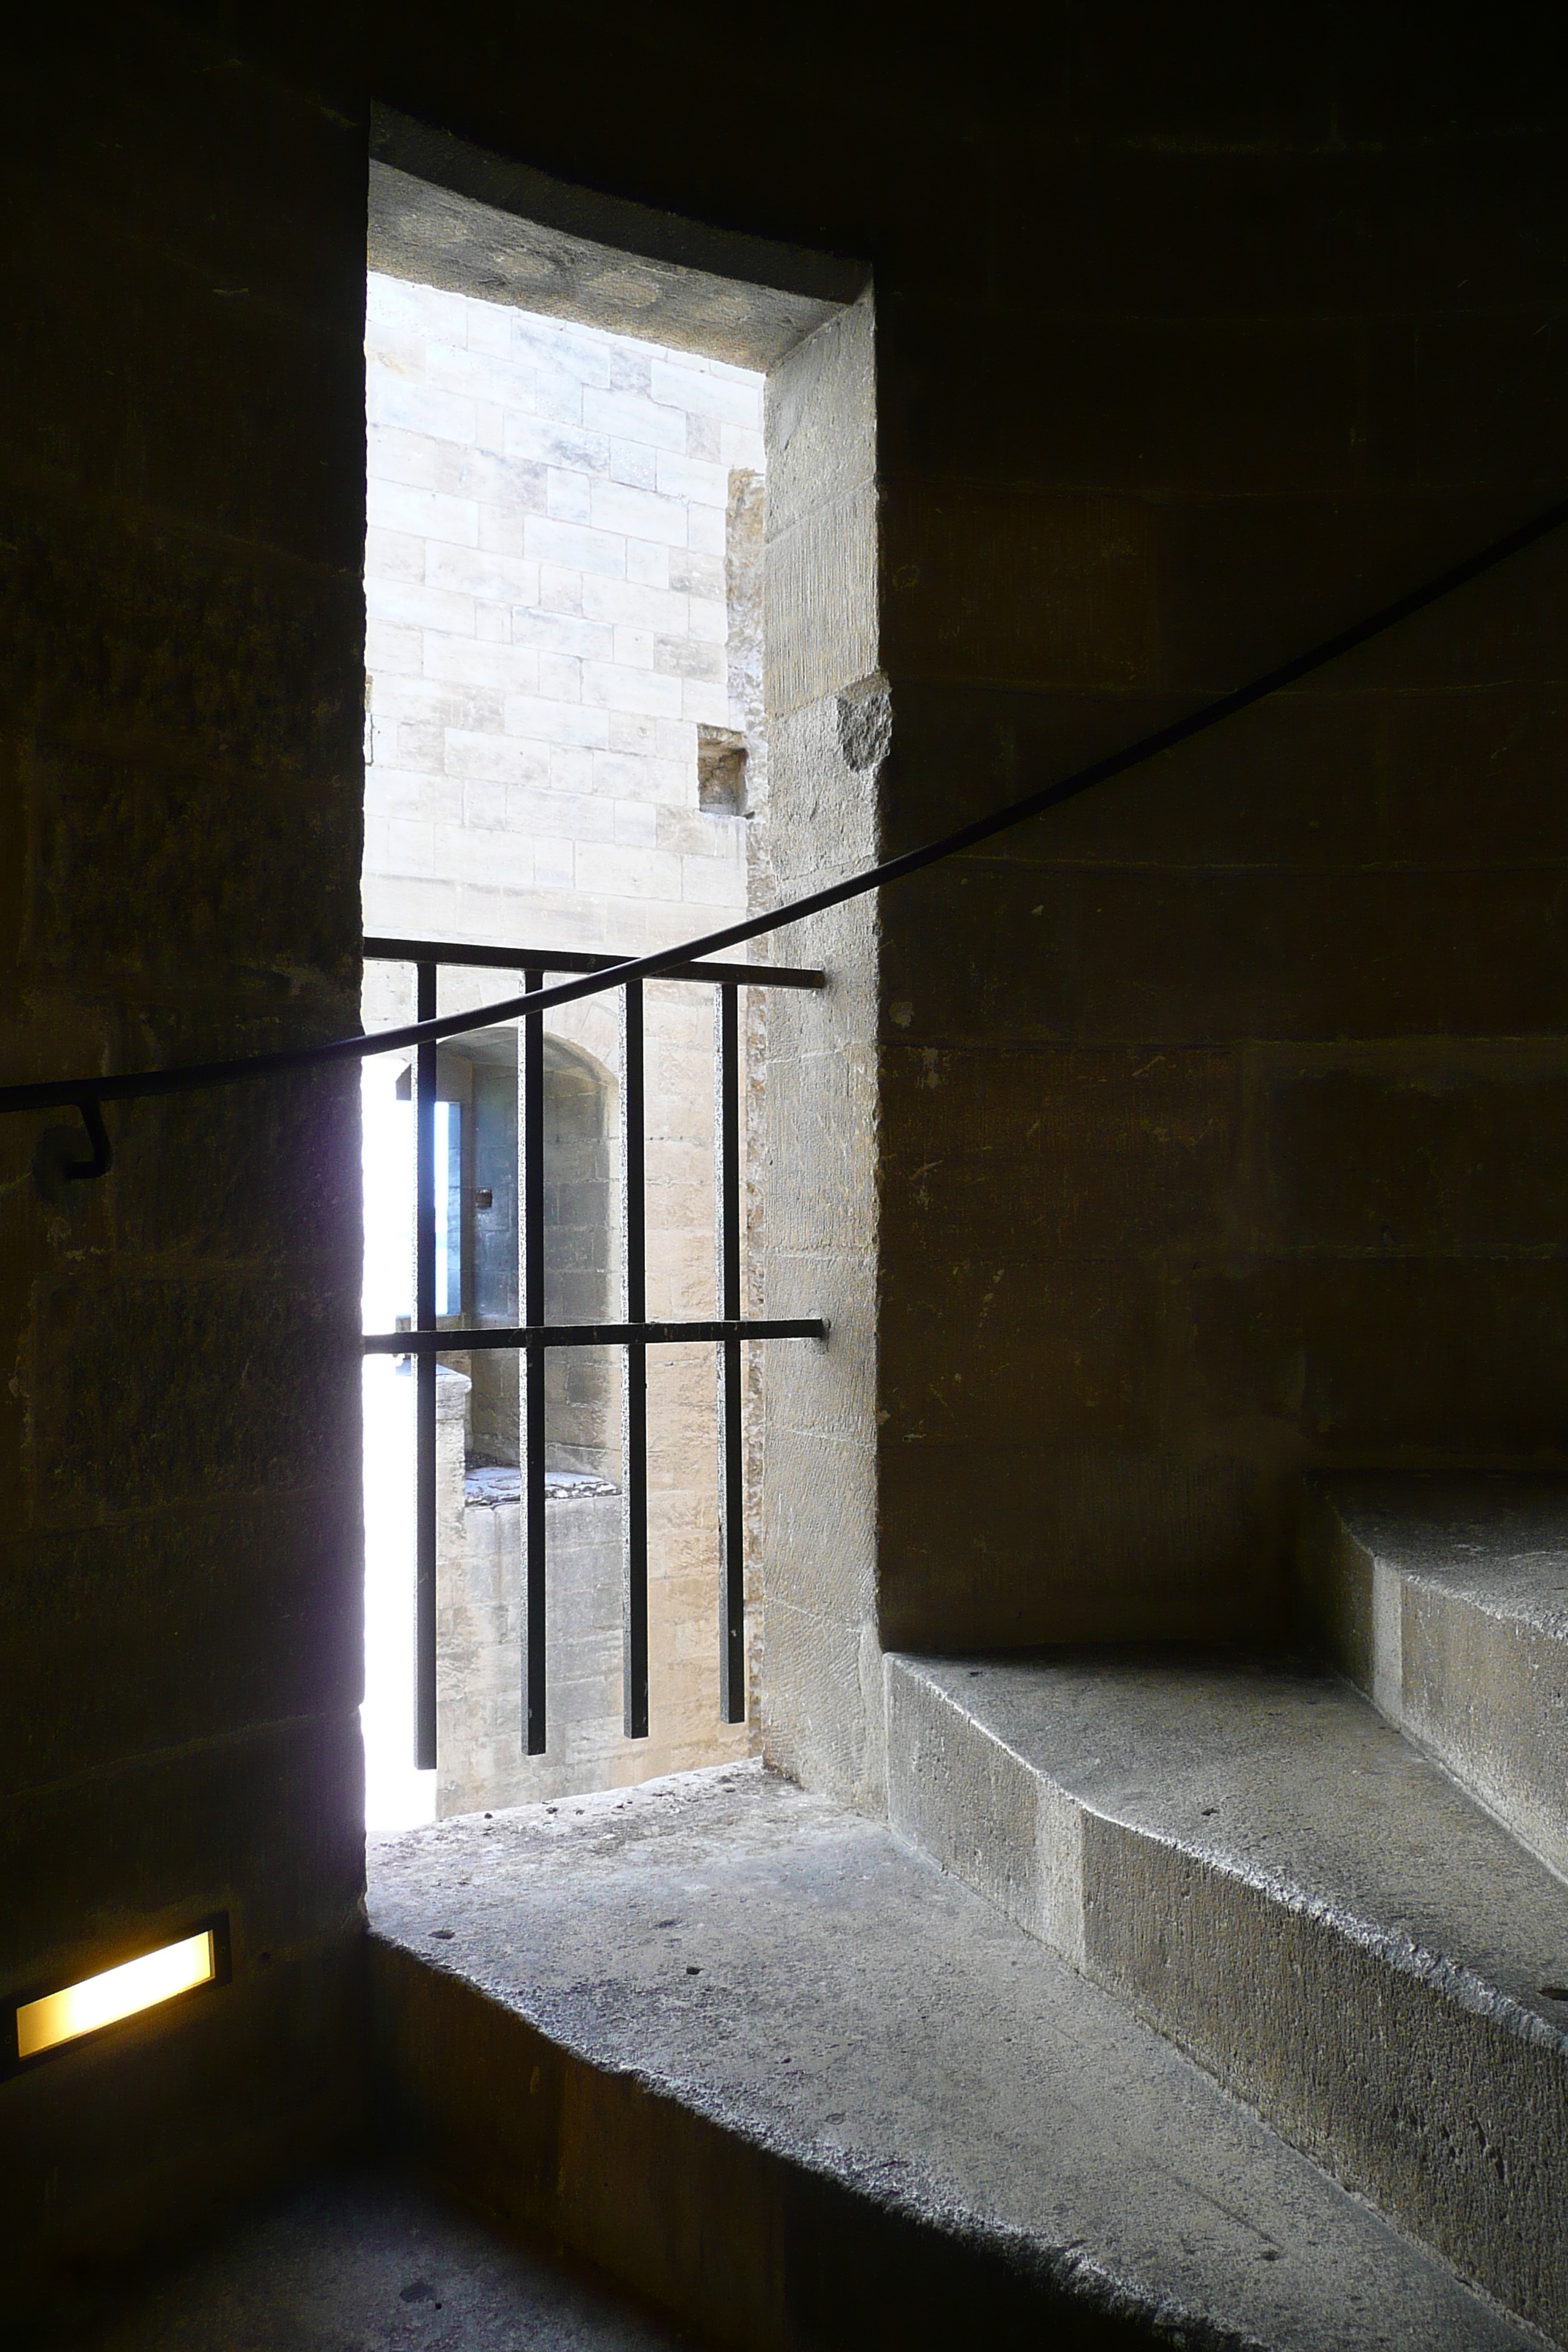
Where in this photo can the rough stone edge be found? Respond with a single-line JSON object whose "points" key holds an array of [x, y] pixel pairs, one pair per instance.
{"points": [[1358, 1939], [899, 2238], [1352, 1600], [1451, 1979], [443, 212]]}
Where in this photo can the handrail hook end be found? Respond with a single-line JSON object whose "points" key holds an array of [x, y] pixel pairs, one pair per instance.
{"points": [[56, 1160]]}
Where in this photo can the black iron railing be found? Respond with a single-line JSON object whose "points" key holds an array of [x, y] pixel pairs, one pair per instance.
{"points": [[88, 1093], [634, 1335]]}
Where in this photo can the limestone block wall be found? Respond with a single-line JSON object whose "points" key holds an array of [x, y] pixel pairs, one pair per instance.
{"points": [[481, 1757], [479, 1730], [180, 817], [1213, 1116], [559, 522], [1216, 1121], [1216, 1136], [546, 631]]}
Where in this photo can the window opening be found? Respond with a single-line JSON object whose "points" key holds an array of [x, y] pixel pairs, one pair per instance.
{"points": [[565, 743]]}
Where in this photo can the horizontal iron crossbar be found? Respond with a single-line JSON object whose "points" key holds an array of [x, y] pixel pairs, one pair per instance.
{"points": [[592, 1335], [720, 975]]}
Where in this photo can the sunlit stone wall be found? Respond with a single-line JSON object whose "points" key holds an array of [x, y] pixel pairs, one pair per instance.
{"points": [[556, 520]]}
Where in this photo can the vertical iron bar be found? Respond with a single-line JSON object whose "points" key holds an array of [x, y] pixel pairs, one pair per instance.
{"points": [[533, 1368], [634, 1383], [731, 1521], [424, 1376]]}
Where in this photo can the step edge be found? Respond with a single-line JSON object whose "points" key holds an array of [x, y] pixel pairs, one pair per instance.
{"points": [[1452, 1980], [1070, 2271], [1365, 1636], [1543, 1619], [1495, 2260]]}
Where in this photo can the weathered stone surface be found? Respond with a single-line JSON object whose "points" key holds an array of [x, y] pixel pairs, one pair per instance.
{"points": [[1447, 1601], [1276, 1880], [1214, 957], [114, 1432], [178, 646], [236, 1616], [1120, 1153], [1412, 1359], [181, 453], [1418, 1158], [821, 606], [226, 1825], [564, 252], [1292, 320], [828, 729], [1030, 584], [365, 2256], [1277, 404], [735, 2045], [152, 2125], [1332, 776], [1091, 1543]]}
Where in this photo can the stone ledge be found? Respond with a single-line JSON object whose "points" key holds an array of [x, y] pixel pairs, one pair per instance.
{"points": [[737, 2046]]}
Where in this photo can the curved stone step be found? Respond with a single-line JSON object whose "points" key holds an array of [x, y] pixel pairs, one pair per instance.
{"points": [[742, 2048], [1446, 1599], [1268, 1874]]}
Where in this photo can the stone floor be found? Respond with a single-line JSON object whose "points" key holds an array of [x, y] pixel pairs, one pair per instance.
{"points": [[366, 2262], [867, 2065]]}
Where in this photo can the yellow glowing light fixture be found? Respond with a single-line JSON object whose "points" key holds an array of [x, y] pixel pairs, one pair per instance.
{"points": [[43, 2025]]}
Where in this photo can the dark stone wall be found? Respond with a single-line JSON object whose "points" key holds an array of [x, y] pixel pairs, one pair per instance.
{"points": [[1217, 1116], [182, 481], [1218, 1142]]}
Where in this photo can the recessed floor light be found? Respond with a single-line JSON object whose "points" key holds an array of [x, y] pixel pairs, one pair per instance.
{"points": [[52, 2020]]}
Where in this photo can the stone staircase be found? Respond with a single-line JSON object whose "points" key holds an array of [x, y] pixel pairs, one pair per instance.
{"points": [[751, 2055], [1193, 2001], [809, 2081], [1335, 1886]]}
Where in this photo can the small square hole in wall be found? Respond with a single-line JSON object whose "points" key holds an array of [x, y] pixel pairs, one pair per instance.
{"points": [[721, 771]]}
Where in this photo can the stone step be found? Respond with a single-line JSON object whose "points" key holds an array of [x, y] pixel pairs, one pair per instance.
{"points": [[743, 2050], [1446, 1599], [1268, 1873]]}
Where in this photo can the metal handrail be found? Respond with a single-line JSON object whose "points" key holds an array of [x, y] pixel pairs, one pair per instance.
{"points": [[133, 1086]]}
